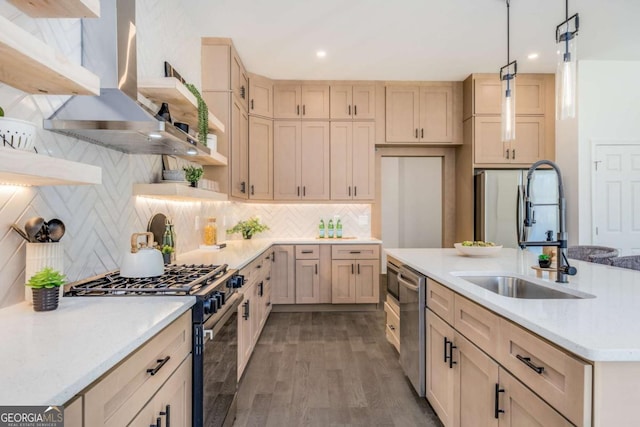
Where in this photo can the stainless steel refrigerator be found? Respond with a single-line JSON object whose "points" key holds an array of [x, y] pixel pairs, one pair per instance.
{"points": [[499, 203]]}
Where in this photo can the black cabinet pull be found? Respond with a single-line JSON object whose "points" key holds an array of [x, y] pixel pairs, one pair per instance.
{"points": [[497, 411], [298, 191], [527, 361], [354, 252], [304, 191], [273, 256], [167, 413], [252, 192], [297, 110], [355, 191], [513, 154], [451, 361], [445, 345], [507, 154], [307, 252], [261, 287], [358, 268], [349, 191], [252, 104], [159, 422], [355, 110], [349, 109], [351, 268], [242, 92], [316, 269], [304, 109], [160, 364], [416, 133], [245, 315], [422, 133], [243, 187]]}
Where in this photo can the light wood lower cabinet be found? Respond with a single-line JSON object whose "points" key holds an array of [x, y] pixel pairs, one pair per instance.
{"points": [[117, 398], [467, 379], [283, 285], [172, 403], [73, 413], [307, 281], [392, 328], [355, 281]]}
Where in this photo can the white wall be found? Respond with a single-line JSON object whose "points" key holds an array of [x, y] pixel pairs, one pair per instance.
{"points": [[608, 110]]}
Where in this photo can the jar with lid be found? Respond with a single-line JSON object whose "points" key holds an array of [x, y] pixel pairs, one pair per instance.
{"points": [[210, 232]]}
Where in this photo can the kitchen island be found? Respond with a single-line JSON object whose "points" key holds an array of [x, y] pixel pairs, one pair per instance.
{"points": [[46, 358], [602, 328]]}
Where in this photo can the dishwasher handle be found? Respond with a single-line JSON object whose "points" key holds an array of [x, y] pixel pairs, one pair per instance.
{"points": [[410, 280], [403, 281]]}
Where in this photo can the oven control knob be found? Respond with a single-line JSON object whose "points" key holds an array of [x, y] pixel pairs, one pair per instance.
{"points": [[223, 297], [210, 306], [236, 282], [218, 300]]}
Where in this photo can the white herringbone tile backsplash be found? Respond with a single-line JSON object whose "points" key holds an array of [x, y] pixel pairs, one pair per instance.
{"points": [[100, 218]]}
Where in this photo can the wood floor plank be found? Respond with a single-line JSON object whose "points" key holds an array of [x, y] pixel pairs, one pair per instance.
{"points": [[328, 369]]}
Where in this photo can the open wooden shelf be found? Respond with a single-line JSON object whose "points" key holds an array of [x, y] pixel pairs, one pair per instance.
{"points": [[215, 159], [59, 8], [177, 191], [19, 167], [183, 106], [30, 65]]}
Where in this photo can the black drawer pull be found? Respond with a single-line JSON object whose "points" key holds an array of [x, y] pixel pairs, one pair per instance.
{"points": [[355, 252], [497, 411], [307, 252], [161, 363], [167, 412], [527, 361], [259, 266]]}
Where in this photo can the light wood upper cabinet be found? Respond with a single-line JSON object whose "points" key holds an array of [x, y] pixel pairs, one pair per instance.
{"points": [[301, 160], [402, 113], [239, 79], [260, 97], [530, 95], [487, 99], [420, 114], [293, 101], [352, 160], [239, 151], [222, 69], [282, 275], [260, 158], [353, 102], [528, 147]]}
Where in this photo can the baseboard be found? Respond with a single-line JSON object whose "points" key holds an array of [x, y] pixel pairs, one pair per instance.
{"points": [[303, 308]]}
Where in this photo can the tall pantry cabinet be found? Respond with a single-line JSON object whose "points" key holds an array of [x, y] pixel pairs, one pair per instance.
{"points": [[244, 103]]}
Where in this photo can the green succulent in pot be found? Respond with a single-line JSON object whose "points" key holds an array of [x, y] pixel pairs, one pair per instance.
{"points": [[45, 286], [193, 174], [544, 261], [248, 228]]}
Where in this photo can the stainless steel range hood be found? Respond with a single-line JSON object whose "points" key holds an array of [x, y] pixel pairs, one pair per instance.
{"points": [[118, 118]]}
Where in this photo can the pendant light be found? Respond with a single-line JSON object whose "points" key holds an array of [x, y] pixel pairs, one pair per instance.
{"points": [[508, 79], [567, 63]]}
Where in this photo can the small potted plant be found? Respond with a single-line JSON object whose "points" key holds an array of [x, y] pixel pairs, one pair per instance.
{"points": [[544, 261], [167, 251], [248, 228], [193, 174], [45, 285]]}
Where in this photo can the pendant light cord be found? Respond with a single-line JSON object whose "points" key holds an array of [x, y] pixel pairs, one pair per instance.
{"points": [[508, 31]]}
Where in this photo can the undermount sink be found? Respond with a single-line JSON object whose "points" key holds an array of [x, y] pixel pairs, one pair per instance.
{"points": [[516, 287]]}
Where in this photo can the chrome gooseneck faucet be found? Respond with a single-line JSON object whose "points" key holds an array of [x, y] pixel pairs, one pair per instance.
{"points": [[562, 263]]}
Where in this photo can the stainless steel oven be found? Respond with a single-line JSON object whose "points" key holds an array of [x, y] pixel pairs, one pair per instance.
{"points": [[219, 374], [393, 287]]}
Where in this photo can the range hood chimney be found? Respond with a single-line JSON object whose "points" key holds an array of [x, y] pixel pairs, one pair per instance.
{"points": [[117, 119]]}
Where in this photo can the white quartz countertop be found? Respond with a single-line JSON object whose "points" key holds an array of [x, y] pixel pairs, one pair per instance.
{"points": [[604, 328], [239, 253], [48, 357]]}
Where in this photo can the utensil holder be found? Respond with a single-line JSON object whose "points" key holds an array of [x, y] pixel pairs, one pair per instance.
{"points": [[39, 256]]}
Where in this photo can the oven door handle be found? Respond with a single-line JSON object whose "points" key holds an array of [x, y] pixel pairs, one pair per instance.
{"points": [[217, 321]]}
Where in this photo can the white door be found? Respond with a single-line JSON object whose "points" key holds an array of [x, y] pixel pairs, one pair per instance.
{"points": [[616, 197]]}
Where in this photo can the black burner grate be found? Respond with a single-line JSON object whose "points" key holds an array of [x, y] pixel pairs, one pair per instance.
{"points": [[176, 280]]}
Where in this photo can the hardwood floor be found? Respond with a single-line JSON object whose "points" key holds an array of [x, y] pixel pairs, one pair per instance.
{"points": [[328, 369]]}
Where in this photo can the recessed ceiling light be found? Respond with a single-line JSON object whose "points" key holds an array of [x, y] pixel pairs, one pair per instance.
{"points": [[533, 56], [321, 54]]}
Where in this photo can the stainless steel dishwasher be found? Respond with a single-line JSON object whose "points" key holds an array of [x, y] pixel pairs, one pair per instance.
{"points": [[412, 326]]}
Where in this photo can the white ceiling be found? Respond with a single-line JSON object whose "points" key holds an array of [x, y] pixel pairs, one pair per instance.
{"points": [[410, 39]]}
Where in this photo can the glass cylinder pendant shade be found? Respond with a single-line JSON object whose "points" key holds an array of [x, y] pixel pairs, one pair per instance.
{"points": [[508, 122], [566, 74]]}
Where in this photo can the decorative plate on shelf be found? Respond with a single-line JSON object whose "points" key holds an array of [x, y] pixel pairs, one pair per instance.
{"points": [[477, 250]]}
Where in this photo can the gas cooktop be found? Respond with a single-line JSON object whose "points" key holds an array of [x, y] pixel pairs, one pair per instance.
{"points": [[176, 280]]}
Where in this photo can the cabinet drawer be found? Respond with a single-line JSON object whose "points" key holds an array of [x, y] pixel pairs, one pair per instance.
{"points": [[393, 304], [355, 251], [477, 324], [392, 327], [440, 300], [307, 251], [559, 378], [118, 397]]}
